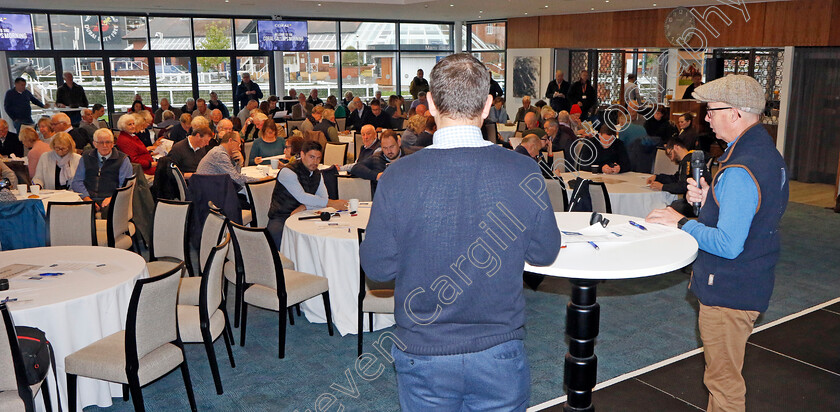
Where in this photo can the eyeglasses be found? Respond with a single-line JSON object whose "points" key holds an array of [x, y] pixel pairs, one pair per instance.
{"points": [[107, 142], [709, 111]]}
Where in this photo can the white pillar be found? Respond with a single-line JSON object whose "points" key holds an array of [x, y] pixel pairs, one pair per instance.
{"points": [[784, 98], [458, 36], [279, 75], [673, 72]]}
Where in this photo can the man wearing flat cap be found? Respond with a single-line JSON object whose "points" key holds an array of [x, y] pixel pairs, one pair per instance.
{"points": [[737, 231]]}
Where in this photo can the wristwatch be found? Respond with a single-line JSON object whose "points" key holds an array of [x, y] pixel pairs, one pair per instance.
{"points": [[682, 221]]}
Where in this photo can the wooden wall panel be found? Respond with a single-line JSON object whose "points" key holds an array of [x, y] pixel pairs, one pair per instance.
{"points": [[834, 34], [557, 31], [523, 33], [639, 28], [800, 23]]}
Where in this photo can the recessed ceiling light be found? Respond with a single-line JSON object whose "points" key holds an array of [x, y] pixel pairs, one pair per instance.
{"points": [[606, 1], [592, 9], [481, 11], [546, 6], [654, 4], [451, 5], [526, 14], [319, 4]]}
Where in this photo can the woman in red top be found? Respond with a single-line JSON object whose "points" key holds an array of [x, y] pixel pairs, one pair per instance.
{"points": [[132, 146]]}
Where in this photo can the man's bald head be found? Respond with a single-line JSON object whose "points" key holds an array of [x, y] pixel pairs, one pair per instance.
{"points": [[368, 134], [216, 116], [60, 120], [531, 120]]}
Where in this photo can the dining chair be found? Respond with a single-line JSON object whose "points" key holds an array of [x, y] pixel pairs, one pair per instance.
{"points": [[246, 151], [662, 164], [354, 188], [206, 321], [520, 126], [179, 181], [490, 131], [71, 224], [259, 193], [341, 124], [335, 154], [557, 195], [114, 230], [515, 141], [600, 197], [15, 392], [357, 145], [278, 289], [147, 349], [170, 237], [291, 125], [374, 297]]}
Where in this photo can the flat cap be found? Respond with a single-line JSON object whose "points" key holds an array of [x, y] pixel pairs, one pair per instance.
{"points": [[737, 90]]}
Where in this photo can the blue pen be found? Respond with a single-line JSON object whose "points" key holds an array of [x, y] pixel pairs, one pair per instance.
{"points": [[593, 245], [51, 274], [617, 234], [638, 225]]}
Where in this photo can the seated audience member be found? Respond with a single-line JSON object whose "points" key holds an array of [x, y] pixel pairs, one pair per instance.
{"points": [[245, 113], [129, 143], [45, 130], [376, 117], [143, 129], [426, 139], [422, 110], [215, 103], [687, 133], [98, 112], [390, 151], [224, 126], [659, 125], [265, 107], [187, 153], [358, 112], [291, 150], [610, 154], [169, 120], [182, 129], [61, 123], [560, 135], [302, 109], [532, 125], [189, 106], [57, 167], [9, 142], [498, 113], [677, 183], [29, 138], [577, 124], [394, 108], [370, 144], [251, 129], [164, 106], [339, 109], [415, 126], [540, 104], [225, 159], [313, 98], [378, 96], [101, 171], [136, 106], [201, 109], [314, 118], [327, 125], [530, 146], [272, 106], [526, 107], [215, 118], [269, 144], [640, 147], [348, 97], [421, 99], [546, 113], [89, 124], [299, 187]]}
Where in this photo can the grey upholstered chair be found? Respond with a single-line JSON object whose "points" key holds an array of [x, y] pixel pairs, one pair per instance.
{"points": [[354, 188], [374, 297], [211, 235], [600, 197], [203, 323], [260, 195], [71, 224], [170, 242], [335, 154], [114, 231], [15, 393], [147, 349], [276, 289], [179, 181]]}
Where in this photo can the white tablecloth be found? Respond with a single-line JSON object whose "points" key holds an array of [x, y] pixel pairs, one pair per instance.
{"points": [[506, 131], [48, 196], [629, 194], [331, 251], [78, 308]]}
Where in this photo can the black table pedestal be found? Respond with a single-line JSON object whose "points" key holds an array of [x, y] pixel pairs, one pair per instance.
{"points": [[582, 318]]}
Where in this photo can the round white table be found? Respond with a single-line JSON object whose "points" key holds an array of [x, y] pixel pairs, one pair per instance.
{"points": [[331, 249], [46, 196], [658, 250], [87, 303], [629, 192]]}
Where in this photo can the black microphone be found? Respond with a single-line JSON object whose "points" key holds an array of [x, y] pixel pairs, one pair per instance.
{"points": [[323, 216], [698, 161]]}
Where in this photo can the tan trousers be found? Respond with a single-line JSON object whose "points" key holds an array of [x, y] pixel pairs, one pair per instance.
{"points": [[724, 333]]}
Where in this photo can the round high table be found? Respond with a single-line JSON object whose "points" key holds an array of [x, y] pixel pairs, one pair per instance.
{"points": [[87, 303], [331, 249], [660, 251]]}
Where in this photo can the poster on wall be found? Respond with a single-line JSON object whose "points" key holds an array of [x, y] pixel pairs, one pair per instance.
{"points": [[526, 76], [276, 35], [16, 32], [690, 64]]}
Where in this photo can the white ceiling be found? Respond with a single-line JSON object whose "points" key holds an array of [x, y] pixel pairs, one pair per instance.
{"points": [[438, 10]]}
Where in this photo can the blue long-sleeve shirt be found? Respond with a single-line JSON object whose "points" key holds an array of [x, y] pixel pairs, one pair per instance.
{"points": [[17, 105], [737, 195], [78, 183]]}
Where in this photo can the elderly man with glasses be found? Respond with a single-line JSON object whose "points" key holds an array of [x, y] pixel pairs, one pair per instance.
{"points": [[101, 171]]}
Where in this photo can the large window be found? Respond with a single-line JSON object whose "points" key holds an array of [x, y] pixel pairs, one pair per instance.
{"points": [[173, 79], [129, 77], [41, 31], [40, 78], [487, 42], [356, 35], [170, 33], [124, 32], [305, 71], [89, 73], [71, 32], [212, 34], [246, 34], [366, 72], [415, 36]]}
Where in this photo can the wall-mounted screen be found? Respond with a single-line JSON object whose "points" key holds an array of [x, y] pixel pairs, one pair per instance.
{"points": [[283, 35], [16, 32]]}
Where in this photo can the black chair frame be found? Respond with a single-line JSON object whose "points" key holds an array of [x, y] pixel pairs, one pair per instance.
{"points": [[24, 391], [606, 194], [187, 258], [92, 218]]}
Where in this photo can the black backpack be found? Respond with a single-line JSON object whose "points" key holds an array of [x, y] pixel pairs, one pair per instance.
{"points": [[36, 352]]}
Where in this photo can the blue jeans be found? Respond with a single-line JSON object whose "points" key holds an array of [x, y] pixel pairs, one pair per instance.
{"points": [[495, 379]]}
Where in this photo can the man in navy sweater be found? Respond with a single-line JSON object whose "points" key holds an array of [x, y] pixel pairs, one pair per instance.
{"points": [[17, 104], [737, 232], [454, 239]]}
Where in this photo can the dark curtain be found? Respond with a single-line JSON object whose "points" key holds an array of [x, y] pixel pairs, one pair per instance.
{"points": [[812, 141]]}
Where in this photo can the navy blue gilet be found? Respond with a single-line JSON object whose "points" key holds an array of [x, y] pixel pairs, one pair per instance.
{"points": [[746, 282]]}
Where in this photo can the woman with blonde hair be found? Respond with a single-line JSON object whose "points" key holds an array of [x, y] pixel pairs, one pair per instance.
{"points": [[45, 129], [57, 167], [416, 125], [29, 137]]}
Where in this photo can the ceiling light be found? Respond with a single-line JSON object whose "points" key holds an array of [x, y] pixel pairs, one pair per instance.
{"points": [[546, 6], [481, 11], [606, 1], [526, 14], [592, 9], [654, 4], [451, 5]]}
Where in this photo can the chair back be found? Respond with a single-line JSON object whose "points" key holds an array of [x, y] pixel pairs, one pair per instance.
{"points": [[557, 195], [119, 212], [600, 197], [398, 123], [211, 234], [13, 377], [256, 254], [357, 145], [179, 181], [210, 297], [335, 154], [316, 136], [71, 224], [559, 161], [170, 230], [662, 164], [246, 152], [490, 132], [520, 126], [152, 316], [260, 194], [515, 142], [341, 124], [291, 125], [354, 188]]}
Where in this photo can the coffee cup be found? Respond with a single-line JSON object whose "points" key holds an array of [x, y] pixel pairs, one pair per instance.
{"points": [[354, 205], [22, 190], [275, 163], [35, 189]]}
